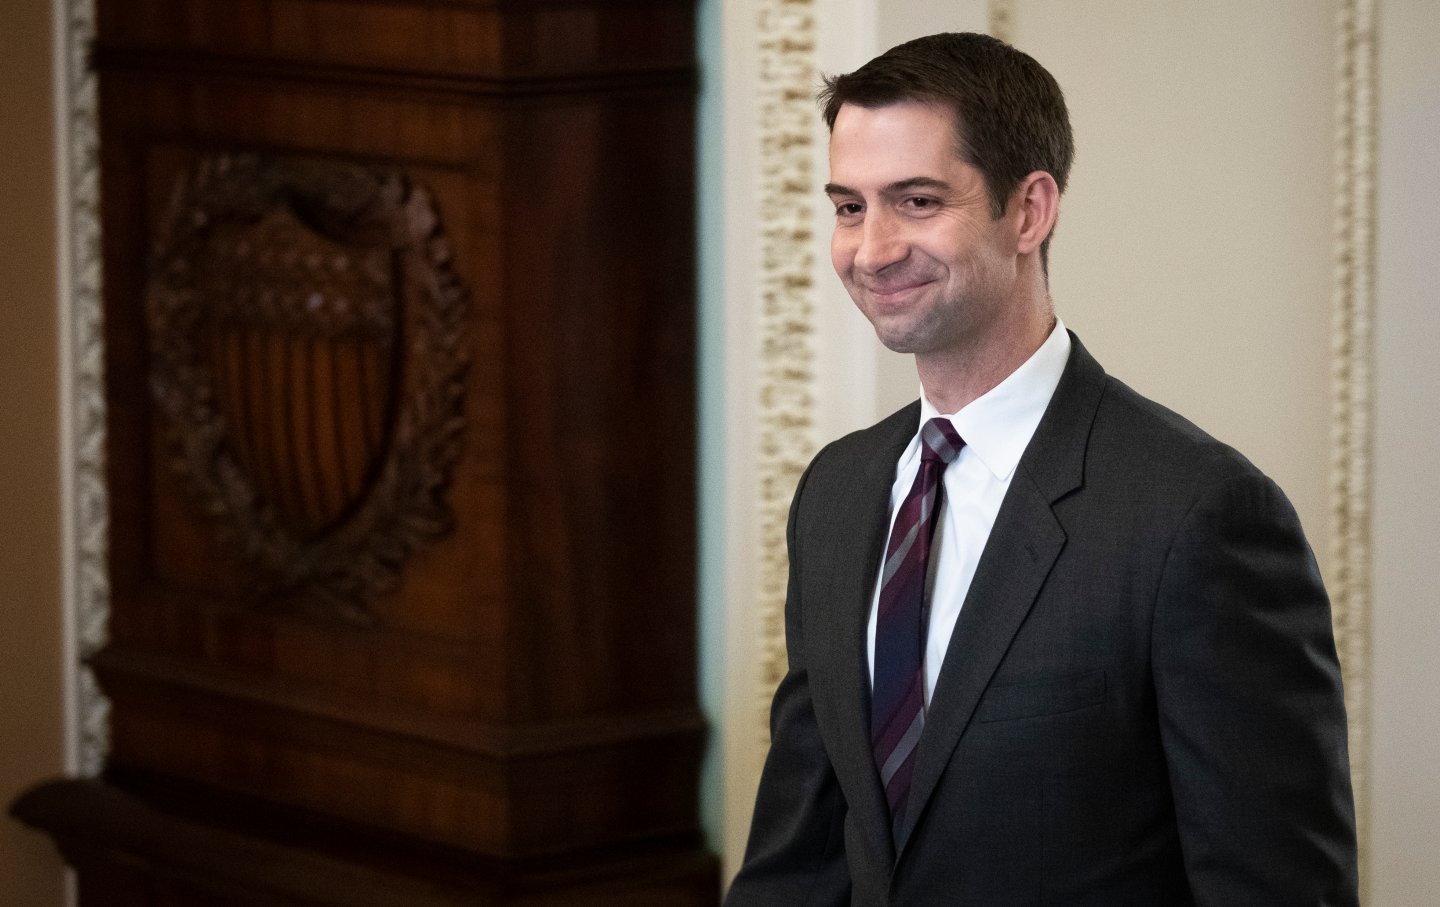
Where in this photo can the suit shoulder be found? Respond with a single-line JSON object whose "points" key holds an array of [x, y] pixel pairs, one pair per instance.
{"points": [[1149, 473], [853, 468], [863, 446], [1145, 438]]}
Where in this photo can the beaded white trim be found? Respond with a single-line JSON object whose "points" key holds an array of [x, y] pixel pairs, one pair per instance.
{"points": [[787, 78], [85, 506], [1352, 429]]}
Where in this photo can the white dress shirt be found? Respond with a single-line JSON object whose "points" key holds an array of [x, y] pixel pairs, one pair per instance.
{"points": [[996, 428]]}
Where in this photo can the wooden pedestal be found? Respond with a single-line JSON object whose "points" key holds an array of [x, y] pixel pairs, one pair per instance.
{"points": [[399, 301]]}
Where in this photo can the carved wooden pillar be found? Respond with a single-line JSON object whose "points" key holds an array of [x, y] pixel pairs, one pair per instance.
{"points": [[399, 302]]}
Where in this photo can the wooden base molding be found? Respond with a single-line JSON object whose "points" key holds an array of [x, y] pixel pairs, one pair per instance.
{"points": [[130, 852]]}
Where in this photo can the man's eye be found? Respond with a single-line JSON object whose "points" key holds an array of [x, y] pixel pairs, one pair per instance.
{"points": [[847, 209], [920, 203]]}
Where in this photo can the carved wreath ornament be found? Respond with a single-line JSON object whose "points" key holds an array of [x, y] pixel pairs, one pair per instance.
{"points": [[306, 330]]}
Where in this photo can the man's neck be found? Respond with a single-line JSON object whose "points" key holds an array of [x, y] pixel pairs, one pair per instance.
{"points": [[953, 380]]}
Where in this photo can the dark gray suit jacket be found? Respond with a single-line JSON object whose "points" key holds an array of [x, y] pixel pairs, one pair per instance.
{"points": [[1140, 704]]}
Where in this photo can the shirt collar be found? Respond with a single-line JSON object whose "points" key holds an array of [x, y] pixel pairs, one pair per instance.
{"points": [[998, 425]]}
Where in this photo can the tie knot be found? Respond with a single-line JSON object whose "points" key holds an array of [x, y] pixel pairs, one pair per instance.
{"points": [[940, 441]]}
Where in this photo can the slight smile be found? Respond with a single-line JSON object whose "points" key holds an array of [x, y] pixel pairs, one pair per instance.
{"points": [[896, 294]]}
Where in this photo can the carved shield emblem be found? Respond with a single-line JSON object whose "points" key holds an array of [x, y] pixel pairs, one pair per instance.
{"points": [[306, 328]]}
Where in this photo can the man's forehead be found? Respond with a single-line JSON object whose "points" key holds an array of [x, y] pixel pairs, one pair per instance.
{"points": [[903, 126], [889, 144], [929, 107]]}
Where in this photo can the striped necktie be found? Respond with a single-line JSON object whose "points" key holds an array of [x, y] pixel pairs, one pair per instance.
{"points": [[897, 703]]}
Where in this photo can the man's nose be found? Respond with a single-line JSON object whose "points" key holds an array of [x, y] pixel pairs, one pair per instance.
{"points": [[881, 244]]}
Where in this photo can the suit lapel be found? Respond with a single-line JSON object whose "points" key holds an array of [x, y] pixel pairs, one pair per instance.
{"points": [[857, 526], [1023, 545]]}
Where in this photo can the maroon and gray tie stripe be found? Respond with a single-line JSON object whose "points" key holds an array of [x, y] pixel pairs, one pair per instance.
{"points": [[897, 705]]}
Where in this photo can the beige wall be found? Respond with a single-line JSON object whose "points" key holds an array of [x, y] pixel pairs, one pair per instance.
{"points": [[31, 732], [1405, 744]]}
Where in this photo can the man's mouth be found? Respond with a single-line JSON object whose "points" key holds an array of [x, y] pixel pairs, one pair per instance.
{"points": [[895, 292]]}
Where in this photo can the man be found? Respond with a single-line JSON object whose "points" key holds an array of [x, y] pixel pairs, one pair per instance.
{"points": [[1048, 642]]}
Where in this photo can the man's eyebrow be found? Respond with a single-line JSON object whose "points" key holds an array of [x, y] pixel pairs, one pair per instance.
{"points": [[895, 188], [916, 182]]}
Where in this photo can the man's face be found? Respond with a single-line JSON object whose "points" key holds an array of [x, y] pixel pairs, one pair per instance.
{"points": [[915, 242]]}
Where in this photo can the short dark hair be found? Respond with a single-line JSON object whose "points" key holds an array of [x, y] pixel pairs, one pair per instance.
{"points": [[1010, 116]]}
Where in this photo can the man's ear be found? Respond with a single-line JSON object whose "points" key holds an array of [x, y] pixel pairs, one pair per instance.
{"points": [[1037, 203]]}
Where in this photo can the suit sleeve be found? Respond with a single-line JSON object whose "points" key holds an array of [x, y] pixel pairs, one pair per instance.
{"points": [[1251, 709], [795, 855]]}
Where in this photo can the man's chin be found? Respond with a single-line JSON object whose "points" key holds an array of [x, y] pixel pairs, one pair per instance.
{"points": [[904, 343], [909, 332]]}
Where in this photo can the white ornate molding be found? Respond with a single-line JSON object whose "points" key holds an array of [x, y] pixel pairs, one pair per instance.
{"points": [[85, 505], [787, 75], [1352, 428]]}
